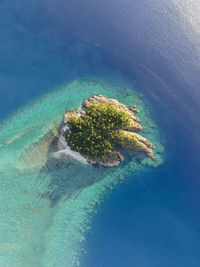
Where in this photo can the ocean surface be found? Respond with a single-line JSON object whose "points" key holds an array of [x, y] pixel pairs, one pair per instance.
{"points": [[60, 212]]}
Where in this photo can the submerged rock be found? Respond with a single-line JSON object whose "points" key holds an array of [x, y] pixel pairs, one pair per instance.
{"points": [[124, 138]]}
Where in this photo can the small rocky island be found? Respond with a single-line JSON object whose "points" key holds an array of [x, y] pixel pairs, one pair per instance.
{"points": [[102, 128]]}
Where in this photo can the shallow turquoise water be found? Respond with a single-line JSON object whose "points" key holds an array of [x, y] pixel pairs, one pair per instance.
{"points": [[149, 221], [47, 203]]}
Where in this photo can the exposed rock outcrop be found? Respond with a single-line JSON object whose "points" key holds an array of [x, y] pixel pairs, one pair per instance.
{"points": [[132, 141]]}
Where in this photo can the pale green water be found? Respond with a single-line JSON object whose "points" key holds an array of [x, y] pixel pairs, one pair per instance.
{"points": [[47, 204]]}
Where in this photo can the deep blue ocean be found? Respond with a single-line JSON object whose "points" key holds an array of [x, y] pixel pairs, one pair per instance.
{"points": [[152, 219]]}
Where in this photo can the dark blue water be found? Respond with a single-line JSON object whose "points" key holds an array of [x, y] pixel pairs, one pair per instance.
{"points": [[153, 219]]}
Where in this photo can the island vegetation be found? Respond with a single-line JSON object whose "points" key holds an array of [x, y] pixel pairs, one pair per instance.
{"points": [[101, 127]]}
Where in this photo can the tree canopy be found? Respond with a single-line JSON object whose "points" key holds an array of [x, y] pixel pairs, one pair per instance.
{"points": [[93, 133]]}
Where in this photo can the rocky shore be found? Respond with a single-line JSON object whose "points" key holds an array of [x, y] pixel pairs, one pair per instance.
{"points": [[126, 139]]}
